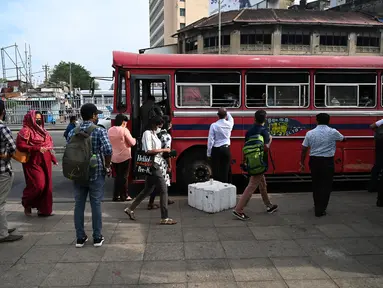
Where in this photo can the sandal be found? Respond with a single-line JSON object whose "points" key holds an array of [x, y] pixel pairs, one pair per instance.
{"points": [[168, 221], [130, 213], [28, 211], [153, 206]]}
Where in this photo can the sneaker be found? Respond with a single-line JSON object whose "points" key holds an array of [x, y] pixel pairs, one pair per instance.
{"points": [[11, 238], [271, 209], [97, 242], [81, 242], [241, 216]]}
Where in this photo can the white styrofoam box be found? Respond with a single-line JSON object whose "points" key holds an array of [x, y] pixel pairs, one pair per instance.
{"points": [[212, 196]]}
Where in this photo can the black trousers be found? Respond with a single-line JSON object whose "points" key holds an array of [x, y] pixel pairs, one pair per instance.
{"points": [[220, 158], [376, 170], [122, 173], [322, 173]]}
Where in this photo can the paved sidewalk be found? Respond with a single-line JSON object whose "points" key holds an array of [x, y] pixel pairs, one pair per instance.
{"points": [[290, 248]]}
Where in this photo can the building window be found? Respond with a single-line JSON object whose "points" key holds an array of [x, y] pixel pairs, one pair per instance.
{"points": [[334, 42], [182, 0], [182, 12], [258, 40], [345, 89], [277, 89], [208, 89], [366, 43], [182, 25], [154, 38], [295, 39], [191, 44], [209, 42]]}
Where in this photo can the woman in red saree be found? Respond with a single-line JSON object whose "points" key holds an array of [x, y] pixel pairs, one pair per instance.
{"points": [[37, 142]]}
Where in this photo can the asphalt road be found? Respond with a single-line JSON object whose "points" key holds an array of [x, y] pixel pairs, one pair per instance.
{"points": [[57, 135]]}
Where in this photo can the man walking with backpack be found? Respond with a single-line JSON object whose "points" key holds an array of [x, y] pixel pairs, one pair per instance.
{"points": [[375, 182], [87, 159], [257, 144]]}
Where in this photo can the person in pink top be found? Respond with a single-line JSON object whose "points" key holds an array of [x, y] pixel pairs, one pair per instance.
{"points": [[121, 141]]}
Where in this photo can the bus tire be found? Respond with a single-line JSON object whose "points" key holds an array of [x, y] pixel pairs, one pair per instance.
{"points": [[193, 169]]}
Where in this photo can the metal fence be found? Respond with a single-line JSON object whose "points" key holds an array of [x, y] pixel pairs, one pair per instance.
{"points": [[53, 110]]}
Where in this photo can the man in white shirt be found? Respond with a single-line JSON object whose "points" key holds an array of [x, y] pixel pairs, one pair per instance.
{"points": [[322, 143], [375, 182], [218, 145]]}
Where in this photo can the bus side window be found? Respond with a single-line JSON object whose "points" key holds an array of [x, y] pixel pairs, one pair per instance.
{"points": [[121, 93], [203, 89], [353, 89], [277, 89]]}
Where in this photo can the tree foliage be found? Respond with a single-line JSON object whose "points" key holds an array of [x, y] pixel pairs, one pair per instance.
{"points": [[81, 78]]}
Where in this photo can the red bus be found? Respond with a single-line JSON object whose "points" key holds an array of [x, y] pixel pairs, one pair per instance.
{"points": [[292, 89]]}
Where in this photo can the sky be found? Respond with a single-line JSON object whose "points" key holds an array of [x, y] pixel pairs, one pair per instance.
{"points": [[81, 31]]}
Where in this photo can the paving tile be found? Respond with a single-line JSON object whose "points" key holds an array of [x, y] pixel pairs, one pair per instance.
{"points": [[262, 284], [270, 233], [117, 273], [228, 222], [319, 246], [281, 248], [167, 235], [374, 263], [156, 272], [209, 271], [25, 275], [44, 254], [12, 252], [128, 225], [265, 219], [342, 266], [337, 231], [304, 231], [376, 241], [243, 249], [129, 236], [197, 222], [180, 285], [311, 284], [164, 251], [204, 250], [298, 268], [56, 238], [360, 283], [88, 254], [357, 246], [213, 285], [71, 274], [367, 229], [256, 269], [235, 234], [197, 234], [4, 267], [124, 252]]}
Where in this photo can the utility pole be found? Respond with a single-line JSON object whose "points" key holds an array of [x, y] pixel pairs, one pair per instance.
{"points": [[70, 78], [219, 26], [46, 71]]}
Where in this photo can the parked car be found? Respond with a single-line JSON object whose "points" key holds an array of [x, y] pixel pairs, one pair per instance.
{"points": [[105, 123]]}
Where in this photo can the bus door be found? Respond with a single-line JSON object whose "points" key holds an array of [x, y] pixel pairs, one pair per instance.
{"points": [[141, 87]]}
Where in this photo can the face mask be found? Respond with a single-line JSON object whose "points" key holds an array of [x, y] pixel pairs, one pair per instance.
{"points": [[158, 130], [38, 122]]}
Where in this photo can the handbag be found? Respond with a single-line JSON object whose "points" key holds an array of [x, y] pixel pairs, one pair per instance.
{"points": [[21, 157], [144, 163]]}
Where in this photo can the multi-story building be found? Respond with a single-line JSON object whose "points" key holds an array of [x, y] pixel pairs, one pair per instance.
{"points": [[166, 17]]}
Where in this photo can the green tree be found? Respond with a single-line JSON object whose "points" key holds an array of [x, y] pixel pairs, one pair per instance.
{"points": [[81, 77], [2, 80]]}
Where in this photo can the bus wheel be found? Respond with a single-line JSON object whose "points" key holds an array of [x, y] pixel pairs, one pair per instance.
{"points": [[193, 170]]}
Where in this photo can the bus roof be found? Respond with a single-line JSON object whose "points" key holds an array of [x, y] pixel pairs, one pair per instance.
{"points": [[205, 61]]}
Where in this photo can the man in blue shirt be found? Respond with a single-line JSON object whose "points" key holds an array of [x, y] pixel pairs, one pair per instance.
{"points": [[322, 143], [103, 150], [70, 127], [256, 180]]}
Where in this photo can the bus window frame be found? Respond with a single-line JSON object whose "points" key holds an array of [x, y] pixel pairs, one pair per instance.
{"points": [[176, 84], [121, 78], [308, 84], [197, 85], [346, 84], [340, 85]]}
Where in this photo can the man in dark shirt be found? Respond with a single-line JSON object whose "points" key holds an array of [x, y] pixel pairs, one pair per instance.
{"points": [[256, 180], [70, 126], [145, 110]]}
